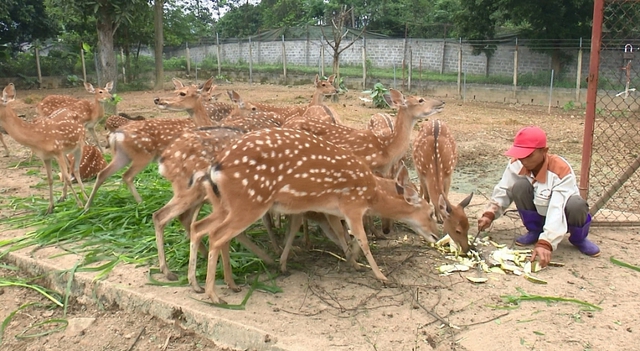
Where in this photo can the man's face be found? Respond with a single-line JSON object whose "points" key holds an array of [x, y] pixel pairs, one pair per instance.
{"points": [[534, 160]]}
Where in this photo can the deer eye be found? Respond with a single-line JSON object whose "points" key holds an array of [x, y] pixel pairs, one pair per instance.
{"points": [[421, 100], [183, 94]]}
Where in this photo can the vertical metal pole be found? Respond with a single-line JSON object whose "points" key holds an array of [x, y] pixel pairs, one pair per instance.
{"points": [[250, 62], [284, 60], [515, 71], [592, 90], [395, 86], [460, 67], [550, 92], [410, 68], [364, 63], [322, 56], [579, 73], [124, 72], [218, 53]]}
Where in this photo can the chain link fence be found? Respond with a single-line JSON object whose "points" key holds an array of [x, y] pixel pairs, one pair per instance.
{"points": [[610, 178]]}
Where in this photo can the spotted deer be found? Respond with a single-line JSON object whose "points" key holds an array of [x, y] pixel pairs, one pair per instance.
{"points": [[215, 110], [403, 203], [114, 122], [189, 153], [50, 139], [292, 172], [381, 148], [322, 88], [435, 157], [142, 142], [89, 112], [91, 164]]}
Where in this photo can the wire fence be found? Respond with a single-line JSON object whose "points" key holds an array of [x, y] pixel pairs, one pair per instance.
{"points": [[611, 156]]}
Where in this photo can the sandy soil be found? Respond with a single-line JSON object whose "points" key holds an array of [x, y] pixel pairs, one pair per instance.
{"points": [[336, 308]]}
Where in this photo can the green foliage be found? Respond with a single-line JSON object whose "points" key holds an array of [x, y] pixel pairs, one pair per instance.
{"points": [[377, 95], [569, 106], [73, 80], [175, 64]]}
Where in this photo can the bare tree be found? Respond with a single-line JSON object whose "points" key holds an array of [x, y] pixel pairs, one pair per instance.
{"points": [[339, 34]]}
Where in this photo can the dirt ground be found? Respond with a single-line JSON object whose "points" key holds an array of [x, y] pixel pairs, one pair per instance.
{"points": [[336, 308]]}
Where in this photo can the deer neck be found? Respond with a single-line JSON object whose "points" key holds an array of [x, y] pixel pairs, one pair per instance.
{"points": [[316, 99], [18, 129], [199, 114], [398, 141], [97, 110]]}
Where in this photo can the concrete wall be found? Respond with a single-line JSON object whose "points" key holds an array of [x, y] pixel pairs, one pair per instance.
{"points": [[428, 54]]}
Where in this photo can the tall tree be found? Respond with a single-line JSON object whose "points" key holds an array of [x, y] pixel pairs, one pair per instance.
{"points": [[159, 42], [23, 21], [109, 14]]}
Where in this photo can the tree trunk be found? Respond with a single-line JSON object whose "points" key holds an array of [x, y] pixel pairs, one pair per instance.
{"points": [[336, 64], [159, 42], [106, 56], [556, 61]]}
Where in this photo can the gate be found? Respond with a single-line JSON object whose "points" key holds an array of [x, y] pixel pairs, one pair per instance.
{"points": [[609, 177]]}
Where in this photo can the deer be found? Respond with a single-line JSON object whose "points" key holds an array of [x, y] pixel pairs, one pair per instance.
{"points": [[403, 203], [293, 172], [215, 110], [49, 139], [435, 157], [89, 112], [114, 122], [142, 142], [322, 88], [381, 150], [91, 164], [189, 153]]}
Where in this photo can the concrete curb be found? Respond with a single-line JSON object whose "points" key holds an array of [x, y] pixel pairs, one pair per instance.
{"points": [[222, 331]]}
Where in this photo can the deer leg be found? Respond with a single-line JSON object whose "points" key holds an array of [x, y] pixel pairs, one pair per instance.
{"points": [[77, 157], [294, 224], [219, 236], [177, 206], [66, 178], [198, 230], [268, 223], [92, 130], [354, 220], [119, 161], [137, 165], [244, 240], [226, 268], [47, 166], [6, 149]]}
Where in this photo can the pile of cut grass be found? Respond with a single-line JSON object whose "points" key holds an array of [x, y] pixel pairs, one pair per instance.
{"points": [[117, 230]]}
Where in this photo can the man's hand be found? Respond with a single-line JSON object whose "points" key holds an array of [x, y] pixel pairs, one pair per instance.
{"points": [[484, 223], [543, 254]]}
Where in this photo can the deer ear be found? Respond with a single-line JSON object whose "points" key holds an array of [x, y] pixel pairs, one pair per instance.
{"points": [[317, 81], [402, 176], [216, 97], [331, 79], [206, 85], [234, 96], [89, 87], [211, 89], [109, 86], [411, 196], [444, 205], [396, 98], [464, 203], [8, 93], [177, 84]]}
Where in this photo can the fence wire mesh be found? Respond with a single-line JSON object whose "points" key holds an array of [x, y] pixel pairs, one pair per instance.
{"points": [[614, 180]]}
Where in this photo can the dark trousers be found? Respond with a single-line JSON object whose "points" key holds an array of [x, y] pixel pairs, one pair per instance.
{"points": [[575, 210]]}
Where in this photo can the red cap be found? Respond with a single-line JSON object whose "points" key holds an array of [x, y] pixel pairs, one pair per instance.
{"points": [[526, 141]]}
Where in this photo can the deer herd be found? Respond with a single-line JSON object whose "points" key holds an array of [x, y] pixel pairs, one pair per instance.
{"points": [[251, 161]]}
